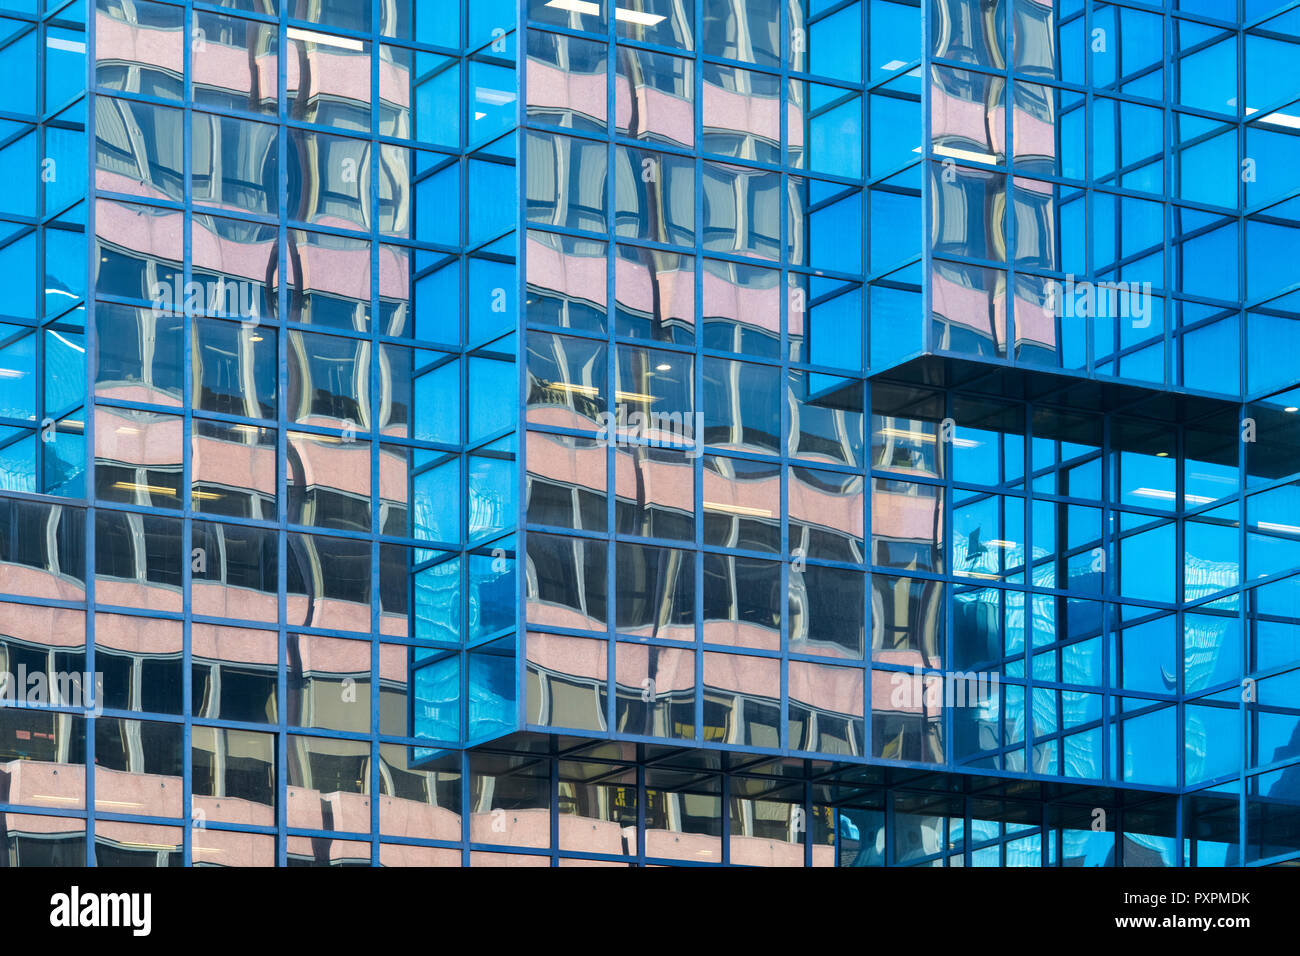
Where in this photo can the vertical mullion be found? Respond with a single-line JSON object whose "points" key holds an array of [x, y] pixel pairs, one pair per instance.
{"points": [[376, 431], [1247, 734], [611, 450], [187, 454], [283, 294], [92, 342], [521, 379], [785, 181]]}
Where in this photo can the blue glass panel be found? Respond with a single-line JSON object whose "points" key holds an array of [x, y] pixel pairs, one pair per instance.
{"points": [[435, 695], [491, 690], [1149, 754], [438, 603]]}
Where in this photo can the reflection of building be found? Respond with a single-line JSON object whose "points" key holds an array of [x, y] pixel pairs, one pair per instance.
{"points": [[805, 430]]}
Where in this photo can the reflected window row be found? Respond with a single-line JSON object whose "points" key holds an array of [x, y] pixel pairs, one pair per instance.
{"points": [[422, 395], [858, 42], [235, 63], [235, 273], [722, 305], [740, 111], [234, 472], [740, 210]]}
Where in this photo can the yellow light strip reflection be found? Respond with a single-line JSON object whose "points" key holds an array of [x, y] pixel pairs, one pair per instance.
{"points": [[590, 390], [151, 489], [170, 847], [903, 433], [737, 509]]}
